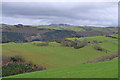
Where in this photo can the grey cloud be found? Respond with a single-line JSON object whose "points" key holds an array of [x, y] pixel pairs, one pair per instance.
{"points": [[102, 13]]}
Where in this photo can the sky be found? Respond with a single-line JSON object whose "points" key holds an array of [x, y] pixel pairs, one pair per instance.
{"points": [[75, 13]]}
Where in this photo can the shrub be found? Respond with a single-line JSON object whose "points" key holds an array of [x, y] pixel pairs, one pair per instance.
{"points": [[16, 65], [5, 59], [17, 58], [14, 68], [76, 43], [100, 41], [79, 44], [111, 36], [95, 42], [65, 42], [85, 41], [59, 41], [97, 47], [102, 58], [88, 41], [41, 44]]}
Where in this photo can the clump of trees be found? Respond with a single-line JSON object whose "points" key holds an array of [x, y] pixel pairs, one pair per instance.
{"points": [[16, 64], [65, 42], [76, 43], [80, 44]]}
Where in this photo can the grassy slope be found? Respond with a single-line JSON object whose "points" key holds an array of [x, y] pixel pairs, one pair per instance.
{"points": [[115, 35], [73, 28], [108, 69], [77, 28], [56, 56], [109, 44]]}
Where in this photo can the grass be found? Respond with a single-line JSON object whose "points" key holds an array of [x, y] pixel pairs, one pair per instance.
{"points": [[78, 28], [108, 69], [56, 56], [106, 29], [66, 62], [115, 35], [108, 43], [72, 28]]}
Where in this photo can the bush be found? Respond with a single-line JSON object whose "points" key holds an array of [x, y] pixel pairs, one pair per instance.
{"points": [[102, 58], [85, 41], [16, 65], [5, 60], [100, 41], [95, 42], [14, 68], [59, 41], [65, 42], [79, 44], [111, 36], [76, 43], [17, 58], [88, 41], [97, 47], [41, 44]]}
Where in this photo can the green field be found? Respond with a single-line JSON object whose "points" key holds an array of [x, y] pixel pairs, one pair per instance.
{"points": [[106, 69], [109, 44], [56, 56], [66, 62]]}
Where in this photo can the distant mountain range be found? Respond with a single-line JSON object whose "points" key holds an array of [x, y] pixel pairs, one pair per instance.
{"points": [[57, 25], [62, 24]]}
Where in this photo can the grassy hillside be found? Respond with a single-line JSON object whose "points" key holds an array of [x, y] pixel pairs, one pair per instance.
{"points": [[106, 69], [26, 33], [55, 56], [81, 28]]}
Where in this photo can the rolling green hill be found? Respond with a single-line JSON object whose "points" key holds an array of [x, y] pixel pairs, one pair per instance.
{"points": [[81, 28], [106, 69], [56, 56]]}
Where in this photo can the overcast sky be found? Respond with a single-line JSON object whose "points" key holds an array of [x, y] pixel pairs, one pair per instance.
{"points": [[76, 13]]}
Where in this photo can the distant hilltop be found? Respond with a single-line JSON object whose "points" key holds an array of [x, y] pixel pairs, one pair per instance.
{"points": [[57, 25]]}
